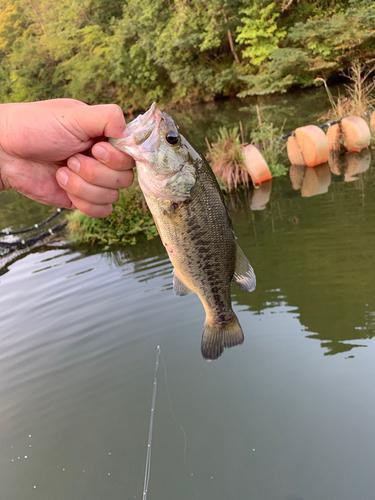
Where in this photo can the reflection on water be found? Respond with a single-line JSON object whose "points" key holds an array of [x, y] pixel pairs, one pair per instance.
{"points": [[287, 415], [316, 181], [318, 257], [356, 164], [261, 196]]}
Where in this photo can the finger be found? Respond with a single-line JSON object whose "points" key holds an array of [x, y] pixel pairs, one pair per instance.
{"points": [[74, 185], [94, 172], [102, 119], [90, 209], [112, 157]]}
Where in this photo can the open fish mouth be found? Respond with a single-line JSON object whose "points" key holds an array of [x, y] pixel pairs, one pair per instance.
{"points": [[141, 133], [145, 121]]}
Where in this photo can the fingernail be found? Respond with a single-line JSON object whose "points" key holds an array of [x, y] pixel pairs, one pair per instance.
{"points": [[74, 164], [101, 153], [62, 177]]}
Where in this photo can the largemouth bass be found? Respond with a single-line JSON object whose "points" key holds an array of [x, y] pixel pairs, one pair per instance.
{"points": [[193, 221]]}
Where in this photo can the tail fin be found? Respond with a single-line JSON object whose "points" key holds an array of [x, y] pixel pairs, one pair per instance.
{"points": [[217, 336]]}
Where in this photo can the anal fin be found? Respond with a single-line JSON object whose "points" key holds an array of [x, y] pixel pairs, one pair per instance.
{"points": [[179, 287], [244, 275]]}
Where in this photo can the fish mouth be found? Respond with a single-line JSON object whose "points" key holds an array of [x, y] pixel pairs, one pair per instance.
{"points": [[143, 128], [146, 121]]}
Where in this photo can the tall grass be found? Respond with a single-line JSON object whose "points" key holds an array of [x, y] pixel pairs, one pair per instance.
{"points": [[266, 137], [360, 93], [226, 158]]}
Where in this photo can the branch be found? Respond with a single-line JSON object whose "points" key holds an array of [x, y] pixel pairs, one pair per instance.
{"points": [[38, 16], [286, 7]]}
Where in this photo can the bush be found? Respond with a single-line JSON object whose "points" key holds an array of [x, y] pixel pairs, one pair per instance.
{"points": [[129, 218]]}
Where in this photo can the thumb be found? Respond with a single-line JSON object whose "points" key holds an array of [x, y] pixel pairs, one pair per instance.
{"points": [[103, 120]]}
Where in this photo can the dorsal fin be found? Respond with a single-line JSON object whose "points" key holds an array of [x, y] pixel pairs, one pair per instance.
{"points": [[244, 275]]}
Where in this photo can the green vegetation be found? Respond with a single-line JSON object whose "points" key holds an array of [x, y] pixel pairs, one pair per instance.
{"points": [[176, 51], [359, 98], [226, 159], [129, 218], [266, 138]]}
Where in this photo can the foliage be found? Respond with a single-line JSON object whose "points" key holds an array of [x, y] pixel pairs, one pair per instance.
{"points": [[129, 218], [260, 31], [266, 138], [174, 51], [321, 46], [359, 98], [226, 159]]}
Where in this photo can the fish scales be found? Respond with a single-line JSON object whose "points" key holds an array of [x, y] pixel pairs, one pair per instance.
{"points": [[200, 242], [193, 221]]}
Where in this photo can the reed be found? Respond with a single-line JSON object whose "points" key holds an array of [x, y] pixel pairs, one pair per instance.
{"points": [[359, 96], [226, 158]]}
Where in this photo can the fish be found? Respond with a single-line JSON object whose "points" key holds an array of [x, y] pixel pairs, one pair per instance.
{"points": [[193, 221]]}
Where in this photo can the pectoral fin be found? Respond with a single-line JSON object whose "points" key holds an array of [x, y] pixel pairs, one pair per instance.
{"points": [[179, 287], [244, 275]]}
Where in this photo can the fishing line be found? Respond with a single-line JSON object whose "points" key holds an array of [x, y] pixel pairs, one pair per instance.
{"points": [[172, 412], [148, 457]]}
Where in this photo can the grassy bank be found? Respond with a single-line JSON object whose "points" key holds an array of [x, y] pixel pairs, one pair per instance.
{"points": [[130, 217]]}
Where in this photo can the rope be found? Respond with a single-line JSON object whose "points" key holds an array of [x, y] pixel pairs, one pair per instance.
{"points": [[35, 226], [34, 239], [148, 457], [325, 125]]}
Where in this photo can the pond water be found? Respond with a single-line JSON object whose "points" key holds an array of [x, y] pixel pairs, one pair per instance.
{"points": [[286, 416]]}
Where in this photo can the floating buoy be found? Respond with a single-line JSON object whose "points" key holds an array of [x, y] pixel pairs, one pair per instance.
{"points": [[316, 181], [256, 165], [356, 164], [314, 145], [260, 196], [294, 152], [356, 133], [334, 137], [372, 122], [296, 174]]}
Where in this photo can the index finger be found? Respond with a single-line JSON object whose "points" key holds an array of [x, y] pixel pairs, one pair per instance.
{"points": [[112, 157]]}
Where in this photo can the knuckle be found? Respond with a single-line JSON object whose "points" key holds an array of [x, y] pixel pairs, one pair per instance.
{"points": [[89, 174], [77, 188], [114, 195], [115, 111]]}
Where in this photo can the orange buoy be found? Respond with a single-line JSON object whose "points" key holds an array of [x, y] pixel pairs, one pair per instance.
{"points": [[316, 181], [260, 196], [294, 152], [314, 145], [356, 164], [256, 165], [372, 122], [334, 137], [356, 133]]}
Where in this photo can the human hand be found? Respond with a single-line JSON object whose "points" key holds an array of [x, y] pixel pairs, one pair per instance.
{"points": [[41, 154]]}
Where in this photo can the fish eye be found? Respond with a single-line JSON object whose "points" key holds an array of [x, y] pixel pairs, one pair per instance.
{"points": [[172, 137]]}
